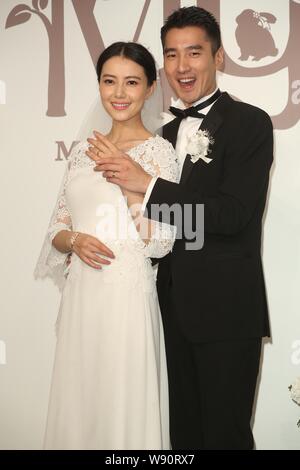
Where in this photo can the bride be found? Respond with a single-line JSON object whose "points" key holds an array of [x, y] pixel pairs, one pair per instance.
{"points": [[109, 385]]}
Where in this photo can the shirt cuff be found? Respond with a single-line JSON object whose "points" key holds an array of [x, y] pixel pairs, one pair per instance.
{"points": [[148, 193]]}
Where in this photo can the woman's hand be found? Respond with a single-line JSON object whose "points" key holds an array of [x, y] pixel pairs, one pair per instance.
{"points": [[100, 146], [117, 167], [88, 248]]}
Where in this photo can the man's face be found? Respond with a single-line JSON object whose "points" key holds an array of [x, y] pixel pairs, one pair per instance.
{"points": [[189, 63]]}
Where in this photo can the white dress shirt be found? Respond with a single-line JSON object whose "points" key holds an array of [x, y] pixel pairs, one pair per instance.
{"points": [[187, 128]]}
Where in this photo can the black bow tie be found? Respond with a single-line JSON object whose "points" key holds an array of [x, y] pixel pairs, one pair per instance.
{"points": [[193, 110], [184, 113]]}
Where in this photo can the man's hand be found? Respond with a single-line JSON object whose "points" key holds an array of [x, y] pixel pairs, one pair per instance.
{"points": [[117, 167]]}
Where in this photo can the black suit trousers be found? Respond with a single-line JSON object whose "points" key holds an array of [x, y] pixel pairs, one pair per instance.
{"points": [[211, 388]]}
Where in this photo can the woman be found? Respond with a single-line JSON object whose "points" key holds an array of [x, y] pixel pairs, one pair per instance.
{"points": [[109, 385]]}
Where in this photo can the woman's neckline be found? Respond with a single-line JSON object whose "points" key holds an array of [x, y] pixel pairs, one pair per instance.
{"points": [[151, 137]]}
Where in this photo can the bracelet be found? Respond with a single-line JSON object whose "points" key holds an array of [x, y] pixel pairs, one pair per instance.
{"points": [[72, 239]]}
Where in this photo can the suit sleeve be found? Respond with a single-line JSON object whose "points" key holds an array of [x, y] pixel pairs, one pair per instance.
{"points": [[247, 160]]}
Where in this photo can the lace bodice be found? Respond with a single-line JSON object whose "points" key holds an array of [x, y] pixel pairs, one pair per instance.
{"points": [[75, 210]]}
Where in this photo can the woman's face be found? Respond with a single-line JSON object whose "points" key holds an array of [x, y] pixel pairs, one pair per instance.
{"points": [[123, 88]]}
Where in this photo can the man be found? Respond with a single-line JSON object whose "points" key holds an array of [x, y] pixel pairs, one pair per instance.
{"points": [[212, 300]]}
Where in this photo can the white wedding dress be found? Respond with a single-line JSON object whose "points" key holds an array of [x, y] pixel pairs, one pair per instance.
{"points": [[109, 385]]}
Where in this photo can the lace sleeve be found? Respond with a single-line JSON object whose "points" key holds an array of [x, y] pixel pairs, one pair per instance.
{"points": [[159, 159], [52, 262]]}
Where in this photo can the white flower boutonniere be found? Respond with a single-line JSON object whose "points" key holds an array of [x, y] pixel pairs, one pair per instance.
{"points": [[198, 146]]}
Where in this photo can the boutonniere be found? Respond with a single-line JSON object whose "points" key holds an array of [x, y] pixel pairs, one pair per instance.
{"points": [[198, 146]]}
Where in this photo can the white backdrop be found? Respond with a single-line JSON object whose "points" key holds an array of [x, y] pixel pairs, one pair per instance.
{"points": [[32, 163]]}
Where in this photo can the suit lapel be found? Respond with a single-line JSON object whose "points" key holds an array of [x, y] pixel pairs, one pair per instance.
{"points": [[211, 123], [170, 131]]}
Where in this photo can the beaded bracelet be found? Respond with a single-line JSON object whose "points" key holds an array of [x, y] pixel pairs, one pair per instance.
{"points": [[72, 239]]}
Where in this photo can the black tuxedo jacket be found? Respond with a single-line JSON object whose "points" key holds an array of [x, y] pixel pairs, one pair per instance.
{"points": [[218, 292]]}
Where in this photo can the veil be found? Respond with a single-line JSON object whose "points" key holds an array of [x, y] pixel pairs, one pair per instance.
{"points": [[98, 119], [152, 113]]}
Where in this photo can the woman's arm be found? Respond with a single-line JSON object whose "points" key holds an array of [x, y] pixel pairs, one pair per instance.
{"points": [[62, 241]]}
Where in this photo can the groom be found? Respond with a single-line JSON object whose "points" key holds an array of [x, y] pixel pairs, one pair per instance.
{"points": [[213, 300]]}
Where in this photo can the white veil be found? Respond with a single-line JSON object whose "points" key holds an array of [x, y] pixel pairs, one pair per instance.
{"points": [[152, 113]]}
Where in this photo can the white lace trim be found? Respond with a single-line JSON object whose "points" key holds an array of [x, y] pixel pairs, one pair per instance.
{"points": [[157, 157]]}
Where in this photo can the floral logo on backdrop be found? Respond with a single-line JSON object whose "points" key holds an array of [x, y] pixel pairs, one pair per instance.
{"points": [[253, 35]]}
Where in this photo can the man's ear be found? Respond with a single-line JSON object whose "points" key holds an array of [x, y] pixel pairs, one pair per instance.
{"points": [[219, 59], [151, 90]]}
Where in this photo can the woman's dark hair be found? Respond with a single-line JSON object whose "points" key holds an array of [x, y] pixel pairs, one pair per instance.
{"points": [[133, 51], [194, 16]]}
